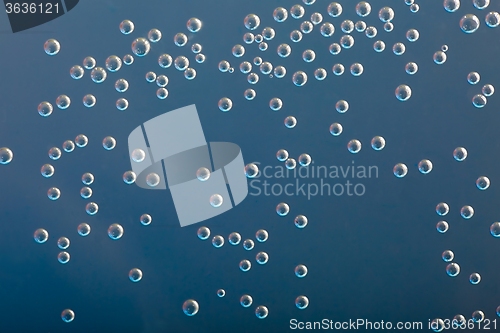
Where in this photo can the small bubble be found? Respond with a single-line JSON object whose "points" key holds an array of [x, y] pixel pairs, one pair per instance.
{"points": [[327, 29], [448, 256], [154, 35], [483, 183], [275, 104], [245, 265], [495, 229], [414, 8], [225, 104], [76, 72], [479, 101], [320, 74], [469, 23], [378, 143], [473, 78], [425, 166], [475, 278], [388, 26], [301, 271], [467, 212], [442, 209], [299, 78], [451, 5], [282, 155], [121, 85], [221, 293], [181, 63], [63, 243], [98, 75], [306, 27], [135, 275], [200, 58], [129, 177], [400, 170], [279, 72], [86, 192], [411, 68], [379, 46], [336, 129], [492, 19], [126, 27], [347, 41], [249, 94], [68, 146], [290, 163], [251, 170], [363, 9], [304, 160], [282, 209], [52, 47], [334, 9], [45, 109], [67, 315], [83, 229], [146, 219], [47, 170], [89, 100], [246, 301], [338, 69], [296, 36], [297, 11], [63, 257], [55, 153], [63, 102], [140, 47], [460, 154], [53, 193], [138, 155], [164, 61], [153, 179], [190, 307], [115, 231], [398, 49], [356, 69], [444, 48], [113, 63], [203, 233], [316, 18], [290, 122], [162, 93], [234, 238], [488, 90], [386, 14], [257, 61], [81, 140], [403, 92], [261, 235], [41, 236], [360, 26], [439, 57], [442, 227], [89, 62], [478, 316], [453, 269], [251, 22], [300, 221], [354, 146], [194, 25], [203, 174], [180, 39], [302, 302], [91, 208], [412, 35], [128, 59], [216, 200], [161, 80], [262, 258], [481, 4]]}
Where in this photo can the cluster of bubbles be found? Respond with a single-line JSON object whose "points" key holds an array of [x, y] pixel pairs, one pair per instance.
{"points": [[479, 100]]}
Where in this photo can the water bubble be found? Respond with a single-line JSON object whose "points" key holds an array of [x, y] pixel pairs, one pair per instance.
{"points": [[126, 27], [54, 153], [453, 269], [356, 69], [89, 100], [414, 8], [275, 104], [81, 140], [251, 21], [334, 9], [63, 243], [98, 75], [154, 35], [153, 179], [67, 315], [249, 94], [129, 177], [320, 74], [128, 59], [53, 193], [259, 38], [300, 221], [327, 29], [290, 122], [284, 50], [481, 4], [306, 27], [252, 78], [479, 101], [347, 26], [52, 47], [234, 238], [216, 200], [448, 256], [460, 154], [425, 166], [483, 183], [261, 312], [398, 49], [113, 63], [89, 62], [221, 293], [304, 160], [290, 163], [266, 68], [203, 233], [282, 155], [245, 265], [162, 93], [146, 219], [87, 178], [279, 72], [246, 301], [444, 48], [138, 155], [200, 58], [194, 25], [190, 307], [225, 104], [68, 146], [297, 11], [121, 85], [299, 78], [475, 278], [47, 170], [388, 26], [442, 227], [451, 5], [261, 235], [437, 325], [262, 258], [180, 39], [467, 212], [386, 14], [268, 33], [439, 57], [115, 231], [161, 80], [296, 36], [164, 61], [248, 244], [140, 47], [403, 92], [469, 23], [85, 192], [360, 26], [280, 14], [196, 48], [473, 77], [316, 18], [411, 68], [495, 229], [83, 229], [224, 66], [371, 32], [354, 146], [45, 109], [91, 208], [203, 174], [282, 209], [135, 275], [478, 316], [442, 209], [379, 46], [400, 170], [63, 257], [347, 41], [76, 72], [336, 129], [63, 102], [41, 236], [488, 90], [492, 19], [248, 38], [302, 302], [363, 9], [263, 46], [378, 143], [412, 35]]}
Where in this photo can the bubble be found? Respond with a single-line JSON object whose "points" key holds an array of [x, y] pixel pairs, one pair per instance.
{"points": [[302, 302], [300, 221], [467, 212], [146, 219], [473, 77], [113, 63], [388, 26], [63, 257], [444, 48], [249, 94], [252, 78], [360, 26], [115, 231], [161, 80], [304, 160], [495, 229], [320, 74], [479, 101], [475, 278], [282, 155], [162, 93], [356, 69], [316, 18], [245, 265], [437, 325], [275, 104], [284, 50], [83, 229], [259, 38], [89, 62], [138, 155], [398, 49], [203, 174], [268, 33], [196, 48], [412, 35], [282, 209], [85, 192], [140, 47], [266, 68], [448, 256], [469, 23], [41, 236], [371, 32], [492, 19], [483, 183], [439, 57], [91, 208], [442, 227], [262, 258], [225, 104], [334, 9], [478, 316], [67, 315], [81, 140], [488, 90], [403, 92], [400, 170], [327, 29], [261, 235], [153, 179], [451, 5], [290, 122], [442, 209], [481, 4], [126, 27], [251, 21], [299, 78], [89, 100], [63, 102], [52, 47], [76, 72], [234, 238], [336, 129], [354, 146], [164, 61], [297, 11], [53, 193], [263, 46], [135, 275], [306, 27], [129, 177], [121, 85], [203, 233], [347, 41], [296, 36], [453, 269], [363, 9], [261, 312], [221, 293], [216, 200], [414, 8], [54, 153], [280, 14], [98, 75], [47, 170], [290, 163], [200, 58], [68, 146], [154, 35], [194, 25], [460, 154], [379, 46], [128, 59], [347, 26], [45, 109], [425, 166], [411, 68], [279, 72], [63, 243], [386, 14], [246, 301]]}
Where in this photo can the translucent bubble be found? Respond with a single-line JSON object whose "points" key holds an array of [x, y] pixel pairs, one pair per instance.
{"points": [[400, 170], [203, 233], [320, 74], [360, 26], [347, 41], [481, 4], [262, 258], [216, 200], [181, 63], [81, 140], [162, 93], [196, 48], [91, 208], [266, 68], [363, 9], [356, 69], [334, 9], [275, 104], [164, 61], [203, 174], [280, 14], [200, 58], [138, 155], [308, 55], [154, 35], [386, 14], [442, 227], [121, 85], [246, 301], [478, 316], [290, 122], [225, 104], [448, 256], [316, 18], [284, 50], [126, 27], [467, 212], [297, 11], [129, 177], [261, 312], [251, 21], [45, 109], [261, 235], [479, 101], [279, 72], [388, 26], [180, 39], [249, 94], [135, 275], [248, 38], [411, 68], [300, 221], [282, 209], [492, 19], [248, 244], [414, 8], [302, 302], [63, 102], [379, 46], [153, 179], [347, 26], [115, 231], [473, 77], [412, 35], [451, 5], [437, 325], [41, 236], [268, 33], [453, 269], [252, 78], [371, 32], [98, 75], [258, 38], [221, 293], [442, 209], [89, 100], [336, 129], [296, 36], [122, 104], [63, 257], [52, 47], [488, 90], [306, 27], [245, 265], [47, 170], [161, 80], [68, 146], [146, 219], [55, 153], [327, 29], [87, 178], [403, 92], [113, 63], [398, 49], [234, 238], [378, 143], [89, 62], [304, 160], [299, 78], [53, 193], [85, 192], [67, 315], [83, 229], [76, 72], [282, 155], [354, 146], [483, 183], [439, 57], [469, 23], [190, 307], [475, 278], [251, 170], [425, 166], [128, 59], [444, 48], [140, 47], [63, 243], [224, 66], [263, 46], [194, 25], [460, 154]]}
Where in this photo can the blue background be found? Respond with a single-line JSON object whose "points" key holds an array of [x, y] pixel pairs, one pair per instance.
{"points": [[376, 257]]}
